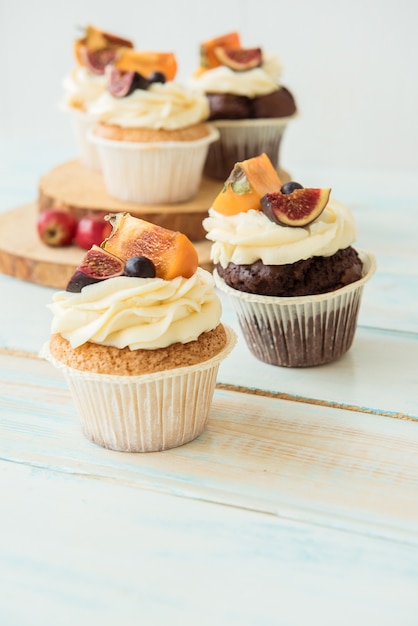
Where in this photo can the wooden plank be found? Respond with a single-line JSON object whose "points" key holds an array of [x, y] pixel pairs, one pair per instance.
{"points": [[24, 256], [83, 191], [85, 551], [311, 463]]}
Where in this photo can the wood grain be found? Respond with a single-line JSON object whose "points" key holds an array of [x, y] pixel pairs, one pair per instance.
{"points": [[309, 463], [24, 256], [82, 191]]}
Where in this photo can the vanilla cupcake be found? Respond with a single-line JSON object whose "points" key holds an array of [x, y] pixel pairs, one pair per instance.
{"points": [[85, 83], [152, 136], [247, 103], [139, 339], [284, 255]]}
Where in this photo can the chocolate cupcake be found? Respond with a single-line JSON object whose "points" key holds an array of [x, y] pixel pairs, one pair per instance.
{"points": [[247, 104], [285, 257]]}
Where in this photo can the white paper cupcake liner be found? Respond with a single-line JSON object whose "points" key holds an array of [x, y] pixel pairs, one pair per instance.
{"points": [[303, 331], [146, 413], [240, 140], [82, 123], [160, 172]]}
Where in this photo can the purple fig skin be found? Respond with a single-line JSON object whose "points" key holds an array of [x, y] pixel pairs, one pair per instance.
{"points": [[97, 265], [97, 60], [122, 84], [297, 209], [80, 280]]}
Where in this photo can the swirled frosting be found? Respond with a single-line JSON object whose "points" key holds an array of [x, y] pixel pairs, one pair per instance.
{"points": [[146, 313], [166, 106], [258, 81], [81, 87], [246, 237]]}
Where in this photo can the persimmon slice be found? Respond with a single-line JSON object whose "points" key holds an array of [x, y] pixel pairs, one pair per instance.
{"points": [[172, 253], [95, 41], [208, 58], [248, 182], [145, 63]]}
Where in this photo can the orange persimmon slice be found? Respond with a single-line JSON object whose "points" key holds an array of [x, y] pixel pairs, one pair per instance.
{"points": [[95, 39], [208, 58], [172, 253], [248, 182], [146, 62]]}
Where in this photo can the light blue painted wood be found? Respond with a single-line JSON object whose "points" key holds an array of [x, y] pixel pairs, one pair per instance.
{"points": [[281, 512], [295, 460], [77, 550]]}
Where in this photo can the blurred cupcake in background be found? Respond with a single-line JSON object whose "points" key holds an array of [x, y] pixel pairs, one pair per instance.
{"points": [[86, 82], [247, 103], [151, 132]]}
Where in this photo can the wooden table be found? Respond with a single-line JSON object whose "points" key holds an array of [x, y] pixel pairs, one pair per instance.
{"points": [[298, 505]]}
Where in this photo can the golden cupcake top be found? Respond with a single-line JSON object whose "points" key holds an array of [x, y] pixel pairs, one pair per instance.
{"points": [[142, 289]]}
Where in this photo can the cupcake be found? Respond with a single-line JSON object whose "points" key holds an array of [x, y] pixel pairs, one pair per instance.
{"points": [[138, 337], [86, 82], [284, 255], [247, 104], [151, 135]]}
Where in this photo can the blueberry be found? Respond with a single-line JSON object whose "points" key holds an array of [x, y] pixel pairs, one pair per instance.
{"points": [[290, 186], [139, 82], [140, 267], [157, 77]]}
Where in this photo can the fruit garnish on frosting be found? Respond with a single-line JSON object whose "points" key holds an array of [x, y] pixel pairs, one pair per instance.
{"points": [[239, 59], [136, 248], [294, 205], [248, 182], [208, 58], [172, 252], [227, 50], [255, 184], [132, 70], [97, 48]]}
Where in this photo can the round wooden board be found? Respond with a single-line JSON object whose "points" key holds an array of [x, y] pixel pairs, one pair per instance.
{"points": [[81, 190], [24, 256]]}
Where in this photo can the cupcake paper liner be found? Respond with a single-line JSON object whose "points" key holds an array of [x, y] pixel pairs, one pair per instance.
{"points": [[154, 172], [82, 123], [303, 331], [243, 139], [146, 413]]}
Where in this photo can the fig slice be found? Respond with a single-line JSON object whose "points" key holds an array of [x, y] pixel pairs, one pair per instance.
{"points": [[299, 208], [96, 47], [239, 59], [121, 84], [97, 265], [96, 60]]}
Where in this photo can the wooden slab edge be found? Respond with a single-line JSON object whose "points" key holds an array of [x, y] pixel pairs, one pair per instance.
{"points": [[24, 256]]}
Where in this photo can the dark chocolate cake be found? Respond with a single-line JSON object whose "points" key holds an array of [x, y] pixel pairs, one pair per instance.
{"points": [[306, 277], [226, 106]]}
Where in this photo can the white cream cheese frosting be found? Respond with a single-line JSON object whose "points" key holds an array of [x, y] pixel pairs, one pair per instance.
{"points": [[248, 236], [82, 87], [258, 81], [167, 106], [142, 313]]}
